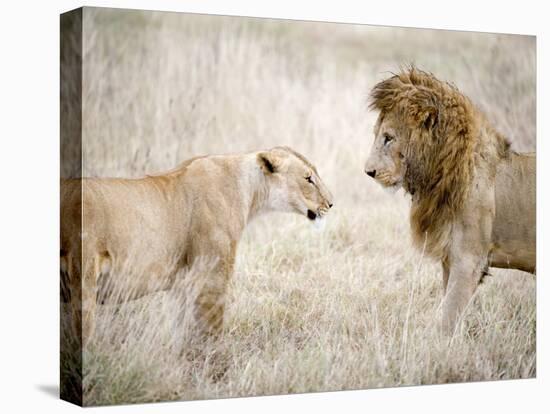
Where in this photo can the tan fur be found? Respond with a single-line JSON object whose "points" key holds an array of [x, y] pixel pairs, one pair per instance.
{"points": [[163, 223], [473, 199]]}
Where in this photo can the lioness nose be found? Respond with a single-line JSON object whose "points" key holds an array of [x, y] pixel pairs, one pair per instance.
{"points": [[371, 173], [329, 205]]}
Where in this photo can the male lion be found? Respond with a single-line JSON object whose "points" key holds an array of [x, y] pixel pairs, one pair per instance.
{"points": [[473, 199], [164, 223]]}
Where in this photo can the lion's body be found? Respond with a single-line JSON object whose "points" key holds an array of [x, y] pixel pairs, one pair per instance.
{"points": [[514, 227], [158, 225], [473, 199]]}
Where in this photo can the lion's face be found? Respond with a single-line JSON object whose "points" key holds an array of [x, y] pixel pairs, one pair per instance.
{"points": [[386, 162], [294, 184]]}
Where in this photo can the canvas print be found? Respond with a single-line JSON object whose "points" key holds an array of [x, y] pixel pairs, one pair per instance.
{"points": [[263, 207]]}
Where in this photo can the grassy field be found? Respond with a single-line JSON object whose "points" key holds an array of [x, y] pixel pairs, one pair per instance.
{"points": [[350, 307]]}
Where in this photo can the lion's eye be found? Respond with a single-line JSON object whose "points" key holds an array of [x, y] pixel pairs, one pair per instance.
{"points": [[387, 139], [309, 180]]}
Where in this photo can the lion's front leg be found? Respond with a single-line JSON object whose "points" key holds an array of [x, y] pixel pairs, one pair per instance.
{"points": [[464, 276], [467, 258]]}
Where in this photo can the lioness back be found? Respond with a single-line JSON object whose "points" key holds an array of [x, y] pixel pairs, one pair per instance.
{"points": [[123, 210], [127, 227]]}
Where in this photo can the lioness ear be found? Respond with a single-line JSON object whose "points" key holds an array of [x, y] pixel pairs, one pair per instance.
{"points": [[268, 162]]}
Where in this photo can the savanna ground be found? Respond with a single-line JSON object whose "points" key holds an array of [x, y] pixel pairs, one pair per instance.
{"points": [[353, 306]]}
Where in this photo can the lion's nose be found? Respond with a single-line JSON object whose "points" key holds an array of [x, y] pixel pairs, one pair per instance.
{"points": [[329, 205], [371, 173]]}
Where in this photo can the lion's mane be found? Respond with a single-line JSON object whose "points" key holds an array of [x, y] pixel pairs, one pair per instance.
{"points": [[448, 140]]}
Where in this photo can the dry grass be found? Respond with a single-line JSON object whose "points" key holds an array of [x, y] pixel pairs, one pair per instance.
{"points": [[350, 307]]}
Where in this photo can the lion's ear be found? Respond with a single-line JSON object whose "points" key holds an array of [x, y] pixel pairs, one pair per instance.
{"points": [[268, 161], [429, 117], [423, 109]]}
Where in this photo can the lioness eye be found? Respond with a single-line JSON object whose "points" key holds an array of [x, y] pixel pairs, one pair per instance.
{"points": [[309, 180], [387, 139]]}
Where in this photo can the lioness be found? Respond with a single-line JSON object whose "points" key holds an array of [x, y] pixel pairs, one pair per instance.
{"points": [[473, 199], [165, 222]]}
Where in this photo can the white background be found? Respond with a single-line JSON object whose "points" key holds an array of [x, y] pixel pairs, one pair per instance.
{"points": [[29, 217]]}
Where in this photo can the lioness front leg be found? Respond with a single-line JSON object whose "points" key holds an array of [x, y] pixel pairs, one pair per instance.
{"points": [[90, 278], [210, 300], [83, 294], [464, 276]]}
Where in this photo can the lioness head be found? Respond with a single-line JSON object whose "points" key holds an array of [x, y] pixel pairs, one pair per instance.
{"points": [[386, 162], [294, 184]]}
